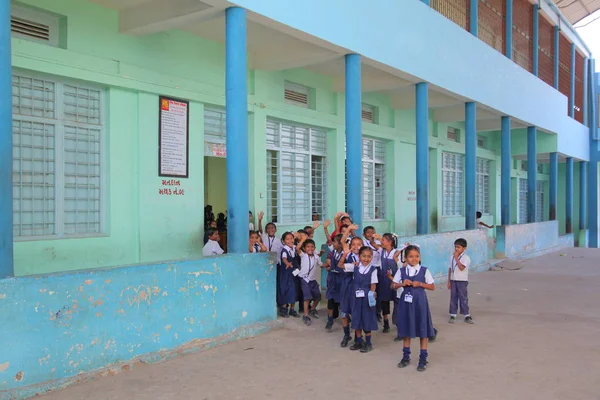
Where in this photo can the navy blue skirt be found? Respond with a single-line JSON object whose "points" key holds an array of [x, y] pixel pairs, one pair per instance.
{"points": [[287, 286], [414, 319], [364, 316]]}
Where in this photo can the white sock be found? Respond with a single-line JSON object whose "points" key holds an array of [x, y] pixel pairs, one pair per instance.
{"points": [[453, 315]]}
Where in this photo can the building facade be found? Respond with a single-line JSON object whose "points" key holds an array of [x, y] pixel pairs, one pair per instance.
{"points": [[129, 116]]}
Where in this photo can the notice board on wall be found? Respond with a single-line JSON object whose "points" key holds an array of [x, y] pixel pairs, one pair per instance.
{"points": [[173, 137]]}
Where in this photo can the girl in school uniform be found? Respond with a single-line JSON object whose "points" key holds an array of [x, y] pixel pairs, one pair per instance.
{"points": [[333, 280], [373, 241], [288, 270], [364, 316], [256, 245], [389, 266], [268, 236], [414, 317], [347, 263]]}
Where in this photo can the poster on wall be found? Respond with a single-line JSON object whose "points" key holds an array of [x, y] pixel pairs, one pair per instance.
{"points": [[215, 150], [173, 137]]}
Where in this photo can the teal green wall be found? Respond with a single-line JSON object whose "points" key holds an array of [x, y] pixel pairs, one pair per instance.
{"points": [[143, 226]]}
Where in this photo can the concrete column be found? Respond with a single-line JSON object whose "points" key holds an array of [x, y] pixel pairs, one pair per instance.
{"points": [[474, 18], [572, 89], [470, 164], [569, 196], [593, 167], [6, 145], [354, 136], [506, 161], [236, 103], [422, 120], [583, 167], [531, 172], [553, 187], [556, 54], [509, 29], [536, 40]]}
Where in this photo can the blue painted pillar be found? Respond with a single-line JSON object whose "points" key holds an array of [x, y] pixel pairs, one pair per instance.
{"points": [[535, 57], [509, 29], [426, 2], [583, 195], [569, 196], [506, 161], [572, 88], [593, 167], [556, 54], [585, 91], [236, 103], [553, 186], [354, 137], [6, 146], [422, 119], [474, 18], [531, 172], [470, 164]]}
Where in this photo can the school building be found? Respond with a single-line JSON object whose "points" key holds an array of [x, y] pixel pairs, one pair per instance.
{"points": [[129, 116]]}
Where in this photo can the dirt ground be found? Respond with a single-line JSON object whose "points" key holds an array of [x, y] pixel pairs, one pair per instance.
{"points": [[536, 336]]}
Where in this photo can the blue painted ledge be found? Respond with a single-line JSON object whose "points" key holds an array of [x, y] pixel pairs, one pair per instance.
{"points": [[56, 329]]}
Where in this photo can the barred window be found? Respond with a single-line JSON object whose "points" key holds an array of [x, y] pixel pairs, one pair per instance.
{"points": [[374, 188], [452, 184], [522, 200], [539, 200], [57, 158], [296, 173], [482, 197]]}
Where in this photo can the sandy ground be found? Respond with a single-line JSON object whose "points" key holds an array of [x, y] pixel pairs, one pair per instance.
{"points": [[536, 336]]}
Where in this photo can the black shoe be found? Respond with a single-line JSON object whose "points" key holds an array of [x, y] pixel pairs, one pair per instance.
{"points": [[283, 313], [404, 362], [422, 366], [398, 339], [356, 346], [367, 347], [307, 321], [469, 320], [386, 329], [345, 341], [328, 326], [314, 313], [294, 314]]}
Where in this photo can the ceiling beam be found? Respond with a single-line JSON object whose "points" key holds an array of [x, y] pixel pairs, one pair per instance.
{"points": [[159, 15], [281, 62]]}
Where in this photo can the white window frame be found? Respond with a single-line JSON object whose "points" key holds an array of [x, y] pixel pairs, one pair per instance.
{"points": [[59, 123], [454, 185], [372, 163], [483, 184], [39, 17], [274, 160]]}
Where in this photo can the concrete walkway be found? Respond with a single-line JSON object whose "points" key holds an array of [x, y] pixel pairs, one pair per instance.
{"points": [[536, 336]]}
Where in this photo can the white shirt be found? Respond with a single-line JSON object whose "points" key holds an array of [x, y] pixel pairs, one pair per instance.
{"points": [[376, 253], [309, 265], [362, 269], [479, 226], [411, 271], [212, 248], [251, 226], [386, 255], [273, 244], [457, 274], [256, 248], [290, 250]]}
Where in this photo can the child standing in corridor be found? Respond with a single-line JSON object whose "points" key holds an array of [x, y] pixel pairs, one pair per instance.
{"points": [[458, 280]]}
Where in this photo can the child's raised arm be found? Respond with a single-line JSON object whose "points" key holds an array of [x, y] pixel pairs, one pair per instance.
{"points": [[303, 238], [260, 218]]}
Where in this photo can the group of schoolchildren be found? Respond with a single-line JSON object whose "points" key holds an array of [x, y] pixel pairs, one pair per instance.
{"points": [[365, 276]]}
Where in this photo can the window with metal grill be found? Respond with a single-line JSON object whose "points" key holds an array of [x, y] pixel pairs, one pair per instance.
{"points": [[373, 179], [522, 200], [296, 171], [452, 184], [297, 94], [369, 113], [482, 194], [453, 134], [481, 142], [37, 26], [539, 201], [57, 158]]}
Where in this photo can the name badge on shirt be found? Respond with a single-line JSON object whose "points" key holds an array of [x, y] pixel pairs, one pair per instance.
{"points": [[360, 293], [295, 272], [408, 298]]}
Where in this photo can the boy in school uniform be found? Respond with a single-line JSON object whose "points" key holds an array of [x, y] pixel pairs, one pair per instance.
{"points": [[480, 223], [458, 280], [212, 247], [310, 263]]}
